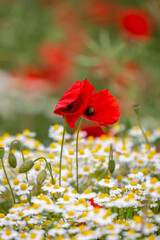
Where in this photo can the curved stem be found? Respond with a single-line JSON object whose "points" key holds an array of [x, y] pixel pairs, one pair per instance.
{"points": [[20, 146], [8, 180], [77, 152], [48, 166], [60, 162], [21, 149]]}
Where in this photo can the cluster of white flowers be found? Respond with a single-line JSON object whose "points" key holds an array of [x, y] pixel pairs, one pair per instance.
{"points": [[121, 205]]}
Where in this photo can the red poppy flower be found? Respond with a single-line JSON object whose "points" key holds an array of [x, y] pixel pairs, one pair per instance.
{"points": [[93, 130], [102, 108], [74, 101], [136, 23]]}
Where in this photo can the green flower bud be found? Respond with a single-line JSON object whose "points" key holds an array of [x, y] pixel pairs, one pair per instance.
{"points": [[41, 177], [111, 166], [1, 152], [26, 166], [136, 108], [12, 160]]}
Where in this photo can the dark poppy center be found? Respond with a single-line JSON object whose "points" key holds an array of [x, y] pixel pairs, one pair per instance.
{"points": [[69, 107], [89, 111]]}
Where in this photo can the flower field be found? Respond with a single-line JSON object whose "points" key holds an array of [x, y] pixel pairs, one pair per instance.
{"points": [[112, 203], [79, 120]]}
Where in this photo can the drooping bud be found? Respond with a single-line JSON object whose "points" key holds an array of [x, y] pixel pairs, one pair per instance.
{"points": [[1, 152], [26, 166], [41, 177], [136, 108], [12, 160], [111, 166]]}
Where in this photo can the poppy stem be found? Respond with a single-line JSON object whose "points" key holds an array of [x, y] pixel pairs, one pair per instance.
{"points": [[60, 163], [77, 152]]}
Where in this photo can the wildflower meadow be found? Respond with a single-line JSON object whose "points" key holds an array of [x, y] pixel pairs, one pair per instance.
{"points": [[79, 120]]}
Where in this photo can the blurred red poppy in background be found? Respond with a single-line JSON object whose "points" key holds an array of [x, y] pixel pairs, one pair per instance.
{"points": [[74, 101], [57, 59], [136, 23], [99, 11], [102, 108]]}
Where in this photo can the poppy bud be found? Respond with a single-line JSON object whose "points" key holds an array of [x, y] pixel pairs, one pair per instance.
{"points": [[12, 160], [41, 177], [1, 152], [111, 166], [136, 108], [26, 166]]}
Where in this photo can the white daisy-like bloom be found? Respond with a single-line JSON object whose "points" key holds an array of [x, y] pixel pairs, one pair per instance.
{"points": [[55, 129], [87, 235], [126, 158], [66, 199], [24, 189], [86, 170], [35, 234], [9, 234], [31, 143], [131, 234], [107, 183], [87, 194], [136, 175], [73, 193], [106, 218], [56, 230], [82, 153], [54, 148], [116, 128], [82, 134], [33, 210], [63, 224], [133, 185], [102, 198], [28, 133], [150, 228], [152, 183], [120, 147], [56, 132], [156, 134], [53, 188], [123, 202], [135, 131], [52, 158], [115, 191]]}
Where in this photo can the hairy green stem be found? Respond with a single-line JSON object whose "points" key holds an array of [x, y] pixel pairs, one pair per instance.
{"points": [[60, 162], [77, 153], [48, 166]]}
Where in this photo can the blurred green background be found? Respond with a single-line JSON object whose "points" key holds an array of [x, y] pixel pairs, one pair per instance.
{"points": [[46, 45]]}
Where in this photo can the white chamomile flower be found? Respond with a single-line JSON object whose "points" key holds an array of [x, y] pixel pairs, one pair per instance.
{"points": [[23, 189]]}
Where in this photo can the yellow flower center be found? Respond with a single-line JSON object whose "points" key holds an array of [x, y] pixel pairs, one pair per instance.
{"points": [[15, 181], [23, 235], [71, 152], [37, 166], [86, 168], [87, 191], [23, 186], [66, 198]]}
